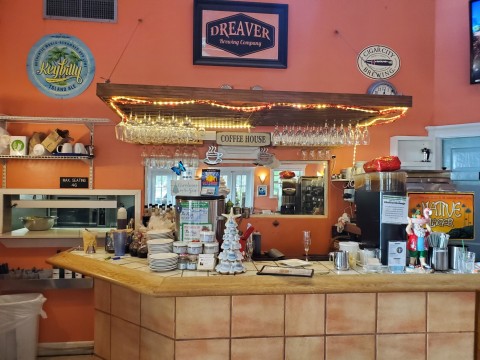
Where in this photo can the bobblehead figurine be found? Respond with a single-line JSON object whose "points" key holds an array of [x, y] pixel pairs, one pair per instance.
{"points": [[418, 229]]}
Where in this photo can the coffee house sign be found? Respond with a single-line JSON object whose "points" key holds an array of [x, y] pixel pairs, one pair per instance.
{"points": [[243, 139]]}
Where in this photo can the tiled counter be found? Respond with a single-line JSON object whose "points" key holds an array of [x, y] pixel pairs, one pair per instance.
{"points": [[350, 315]]}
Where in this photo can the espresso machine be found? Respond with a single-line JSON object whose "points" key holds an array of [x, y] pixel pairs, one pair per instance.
{"points": [[370, 191], [289, 190]]}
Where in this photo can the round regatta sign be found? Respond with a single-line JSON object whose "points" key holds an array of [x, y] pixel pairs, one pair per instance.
{"points": [[60, 66], [378, 62]]}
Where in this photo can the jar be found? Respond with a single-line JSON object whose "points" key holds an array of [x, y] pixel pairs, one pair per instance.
{"points": [[182, 262], [192, 262], [194, 248], [207, 236], [109, 243], [210, 248], [179, 247]]}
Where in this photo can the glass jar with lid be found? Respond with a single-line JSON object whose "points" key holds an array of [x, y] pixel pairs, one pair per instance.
{"points": [[192, 262], [182, 262]]}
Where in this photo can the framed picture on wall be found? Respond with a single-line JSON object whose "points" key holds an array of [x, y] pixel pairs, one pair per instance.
{"points": [[262, 190], [235, 33]]}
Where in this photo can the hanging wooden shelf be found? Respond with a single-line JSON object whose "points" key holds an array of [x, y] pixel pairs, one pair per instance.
{"points": [[257, 107]]}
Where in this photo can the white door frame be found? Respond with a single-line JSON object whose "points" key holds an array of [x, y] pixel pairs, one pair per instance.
{"points": [[438, 133]]}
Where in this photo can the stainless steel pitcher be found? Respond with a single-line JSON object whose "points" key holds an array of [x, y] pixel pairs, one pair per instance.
{"points": [[340, 259]]}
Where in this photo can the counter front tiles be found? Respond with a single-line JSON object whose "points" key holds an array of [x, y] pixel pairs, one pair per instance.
{"points": [[198, 315]]}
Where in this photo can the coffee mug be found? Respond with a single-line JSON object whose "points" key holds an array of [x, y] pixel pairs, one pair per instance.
{"points": [[65, 148], [79, 148], [39, 150]]}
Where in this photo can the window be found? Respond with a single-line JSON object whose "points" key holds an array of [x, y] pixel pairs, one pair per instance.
{"points": [[157, 183], [240, 182], [275, 181]]}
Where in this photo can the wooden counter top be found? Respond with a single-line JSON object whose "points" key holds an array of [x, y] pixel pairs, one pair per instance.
{"points": [[150, 283]]}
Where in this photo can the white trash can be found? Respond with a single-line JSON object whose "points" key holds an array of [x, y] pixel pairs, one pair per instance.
{"points": [[19, 325]]}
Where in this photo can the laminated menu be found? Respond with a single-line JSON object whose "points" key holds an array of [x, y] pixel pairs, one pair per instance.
{"points": [[210, 182]]}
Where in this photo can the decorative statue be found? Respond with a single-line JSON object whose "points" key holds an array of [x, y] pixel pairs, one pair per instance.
{"points": [[418, 229]]}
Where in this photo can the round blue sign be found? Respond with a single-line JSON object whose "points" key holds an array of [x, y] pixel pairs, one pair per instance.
{"points": [[60, 66]]}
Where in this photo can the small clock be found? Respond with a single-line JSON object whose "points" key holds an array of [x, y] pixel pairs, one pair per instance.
{"points": [[382, 87]]}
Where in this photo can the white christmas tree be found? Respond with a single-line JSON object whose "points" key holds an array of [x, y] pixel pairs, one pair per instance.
{"points": [[230, 258]]}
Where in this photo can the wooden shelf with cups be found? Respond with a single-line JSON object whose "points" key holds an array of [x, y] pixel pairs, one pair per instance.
{"points": [[87, 158]]}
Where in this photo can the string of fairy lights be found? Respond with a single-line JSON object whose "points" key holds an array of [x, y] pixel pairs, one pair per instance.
{"points": [[145, 128]]}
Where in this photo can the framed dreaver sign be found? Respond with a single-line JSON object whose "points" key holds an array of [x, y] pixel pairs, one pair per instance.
{"points": [[234, 33]]}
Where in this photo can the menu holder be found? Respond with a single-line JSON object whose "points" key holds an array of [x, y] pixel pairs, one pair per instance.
{"points": [[285, 271]]}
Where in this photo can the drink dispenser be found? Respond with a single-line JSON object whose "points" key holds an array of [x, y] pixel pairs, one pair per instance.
{"points": [[370, 191], [289, 189], [197, 213]]}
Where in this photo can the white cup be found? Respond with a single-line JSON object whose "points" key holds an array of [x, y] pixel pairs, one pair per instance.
{"points": [[39, 150], [79, 148], [65, 148]]}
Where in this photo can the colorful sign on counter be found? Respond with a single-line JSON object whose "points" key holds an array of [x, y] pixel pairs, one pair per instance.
{"points": [[452, 213]]}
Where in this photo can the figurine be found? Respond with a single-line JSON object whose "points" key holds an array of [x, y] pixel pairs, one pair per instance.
{"points": [[418, 229]]}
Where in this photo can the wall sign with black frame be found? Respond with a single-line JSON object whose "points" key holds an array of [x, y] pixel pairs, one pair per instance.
{"points": [[235, 33]]}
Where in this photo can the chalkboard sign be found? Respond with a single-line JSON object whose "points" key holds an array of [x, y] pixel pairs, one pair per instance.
{"points": [[74, 182]]}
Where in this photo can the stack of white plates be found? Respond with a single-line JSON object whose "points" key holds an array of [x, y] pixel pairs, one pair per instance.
{"points": [[160, 246], [162, 261], [160, 234]]}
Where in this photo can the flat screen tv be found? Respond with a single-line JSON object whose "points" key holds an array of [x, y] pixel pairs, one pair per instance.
{"points": [[474, 41]]}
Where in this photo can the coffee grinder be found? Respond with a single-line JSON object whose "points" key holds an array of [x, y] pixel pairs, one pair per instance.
{"points": [[371, 190]]}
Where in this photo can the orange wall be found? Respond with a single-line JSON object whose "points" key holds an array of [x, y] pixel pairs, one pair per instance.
{"points": [[324, 38]]}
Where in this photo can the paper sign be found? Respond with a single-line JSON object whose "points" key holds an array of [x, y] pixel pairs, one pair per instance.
{"points": [[185, 187], [191, 232], [397, 253], [206, 262], [394, 209]]}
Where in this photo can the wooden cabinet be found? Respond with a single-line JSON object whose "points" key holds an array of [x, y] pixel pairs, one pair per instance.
{"points": [[411, 149]]}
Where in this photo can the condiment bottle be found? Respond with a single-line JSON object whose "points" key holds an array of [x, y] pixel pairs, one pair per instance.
{"points": [[109, 248], [121, 218]]}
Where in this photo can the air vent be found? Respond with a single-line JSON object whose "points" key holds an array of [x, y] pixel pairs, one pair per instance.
{"points": [[84, 10]]}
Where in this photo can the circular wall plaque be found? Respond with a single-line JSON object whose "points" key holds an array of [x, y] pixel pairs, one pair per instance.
{"points": [[60, 66], [378, 62]]}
